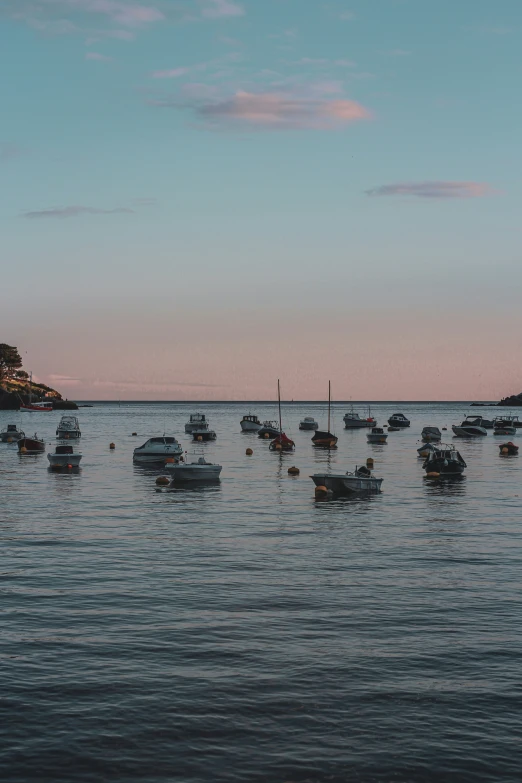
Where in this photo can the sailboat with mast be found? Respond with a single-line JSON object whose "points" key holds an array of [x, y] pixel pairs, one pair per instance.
{"points": [[322, 438], [46, 407], [281, 442]]}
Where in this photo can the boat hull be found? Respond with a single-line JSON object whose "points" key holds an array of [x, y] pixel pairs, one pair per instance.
{"points": [[63, 460], [268, 432], [357, 424], [400, 423], [445, 467], [347, 485], [183, 473], [31, 445], [504, 431], [155, 458], [203, 435], [8, 437], [68, 434], [371, 438], [39, 408], [308, 425], [250, 426], [324, 439], [469, 432]]}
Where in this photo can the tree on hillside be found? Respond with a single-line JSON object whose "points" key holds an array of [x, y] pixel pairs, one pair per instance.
{"points": [[10, 360], [21, 375]]}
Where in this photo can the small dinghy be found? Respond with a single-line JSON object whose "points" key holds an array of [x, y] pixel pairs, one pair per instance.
{"points": [[11, 434], [203, 435], [201, 471], [197, 421], [431, 434], [31, 445], [377, 435], [444, 461], [64, 457], [308, 423], [425, 449], [471, 427], [361, 481], [508, 448], [399, 420], [282, 443], [268, 430], [250, 423]]}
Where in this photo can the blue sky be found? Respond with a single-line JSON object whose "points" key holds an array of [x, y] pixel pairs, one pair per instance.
{"points": [[213, 176]]}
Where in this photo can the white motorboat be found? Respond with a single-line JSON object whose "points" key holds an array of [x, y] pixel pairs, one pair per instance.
{"points": [[361, 481], [426, 449], [377, 435], [471, 427], [308, 423], [399, 420], [270, 429], [64, 457], [197, 421], [506, 421], [250, 423], [157, 450], [431, 434], [201, 470], [11, 434], [352, 420], [68, 428]]}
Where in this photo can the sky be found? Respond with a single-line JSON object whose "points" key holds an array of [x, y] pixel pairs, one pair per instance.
{"points": [[201, 196]]}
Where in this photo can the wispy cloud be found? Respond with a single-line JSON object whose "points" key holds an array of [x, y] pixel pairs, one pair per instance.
{"points": [[172, 73], [347, 16], [277, 111], [73, 211], [96, 56], [434, 190], [215, 9]]}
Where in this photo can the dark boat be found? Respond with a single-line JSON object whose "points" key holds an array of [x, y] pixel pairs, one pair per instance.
{"points": [[203, 435], [11, 434], [268, 430], [508, 448], [445, 461], [398, 420], [325, 439], [31, 445], [281, 442]]}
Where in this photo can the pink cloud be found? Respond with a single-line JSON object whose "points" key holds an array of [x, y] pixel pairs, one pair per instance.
{"points": [[219, 8], [278, 111], [128, 14], [434, 190]]}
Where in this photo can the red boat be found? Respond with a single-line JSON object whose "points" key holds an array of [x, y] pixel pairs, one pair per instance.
{"points": [[31, 445], [37, 406]]}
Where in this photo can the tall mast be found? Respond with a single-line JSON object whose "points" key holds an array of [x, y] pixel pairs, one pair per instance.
{"points": [[328, 406], [31, 388], [279, 402]]}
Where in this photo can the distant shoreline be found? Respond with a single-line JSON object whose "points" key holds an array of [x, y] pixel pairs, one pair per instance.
{"points": [[196, 403]]}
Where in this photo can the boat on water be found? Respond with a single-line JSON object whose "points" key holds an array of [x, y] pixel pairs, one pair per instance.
{"points": [[34, 445], [353, 421], [250, 423], [504, 428], [431, 434], [425, 449], [157, 450], [43, 407], [197, 421], [308, 423], [11, 433], [361, 481], [399, 420], [471, 427], [201, 471], [281, 442], [326, 439], [203, 435], [269, 429], [508, 448], [444, 461], [377, 435], [68, 428], [64, 457], [508, 420]]}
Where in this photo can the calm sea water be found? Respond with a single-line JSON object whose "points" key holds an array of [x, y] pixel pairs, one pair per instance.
{"points": [[247, 632]]}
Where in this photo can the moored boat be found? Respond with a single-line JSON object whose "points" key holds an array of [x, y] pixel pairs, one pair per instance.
{"points": [[250, 423], [197, 421], [183, 472], [471, 427], [377, 435], [281, 442], [268, 430], [43, 407], [34, 445], [64, 457], [157, 450], [426, 449], [507, 421], [68, 428], [203, 435], [353, 421], [326, 439], [508, 448], [11, 433], [504, 428], [431, 434], [361, 481], [444, 461], [308, 423], [399, 420]]}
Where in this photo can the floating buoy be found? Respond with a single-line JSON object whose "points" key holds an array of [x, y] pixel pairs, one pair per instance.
{"points": [[23, 450], [134, 434], [69, 467], [383, 440], [249, 452], [278, 447], [321, 492], [369, 462], [169, 460], [266, 435], [293, 471], [505, 450], [112, 446], [9, 440], [162, 481], [433, 475], [200, 438]]}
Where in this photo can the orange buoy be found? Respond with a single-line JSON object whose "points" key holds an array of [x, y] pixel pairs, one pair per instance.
{"points": [[433, 475], [266, 435], [9, 440], [112, 446], [505, 450], [369, 462], [200, 438], [169, 461], [23, 450], [249, 452], [321, 492], [278, 447], [162, 481], [293, 471]]}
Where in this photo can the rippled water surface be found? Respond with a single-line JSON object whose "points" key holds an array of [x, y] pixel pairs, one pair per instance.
{"points": [[246, 632]]}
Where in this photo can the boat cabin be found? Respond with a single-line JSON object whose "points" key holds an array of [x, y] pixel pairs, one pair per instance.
{"points": [[64, 450]]}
